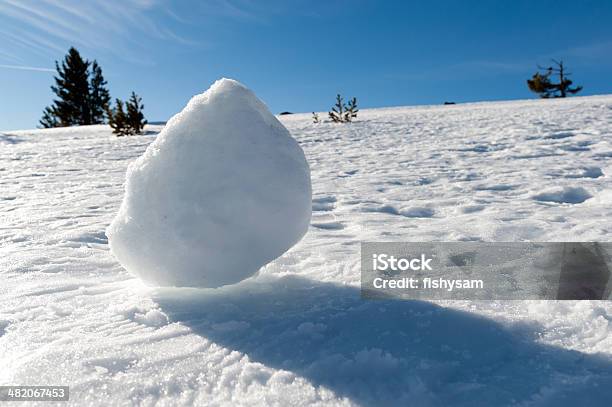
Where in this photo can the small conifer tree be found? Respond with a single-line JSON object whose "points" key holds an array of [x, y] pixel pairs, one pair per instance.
{"points": [[351, 110], [342, 113], [541, 82], [135, 118], [337, 112], [117, 119]]}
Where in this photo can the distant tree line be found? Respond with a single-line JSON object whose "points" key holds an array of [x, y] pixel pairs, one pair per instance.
{"points": [[83, 98]]}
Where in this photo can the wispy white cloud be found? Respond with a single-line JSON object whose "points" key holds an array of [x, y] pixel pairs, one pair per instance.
{"points": [[464, 70], [31, 42], [127, 29], [119, 27], [26, 68], [597, 51], [587, 54], [7, 56]]}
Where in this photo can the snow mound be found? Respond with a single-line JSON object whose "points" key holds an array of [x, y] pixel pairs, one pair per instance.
{"points": [[572, 195], [223, 190]]}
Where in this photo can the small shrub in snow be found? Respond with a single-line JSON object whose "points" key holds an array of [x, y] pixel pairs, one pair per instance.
{"points": [[343, 113], [128, 121], [117, 119], [351, 110]]}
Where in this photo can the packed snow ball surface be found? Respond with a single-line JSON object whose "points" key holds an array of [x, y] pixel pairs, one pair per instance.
{"points": [[222, 191]]}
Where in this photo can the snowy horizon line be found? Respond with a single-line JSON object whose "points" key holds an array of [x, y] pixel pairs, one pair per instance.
{"points": [[441, 104]]}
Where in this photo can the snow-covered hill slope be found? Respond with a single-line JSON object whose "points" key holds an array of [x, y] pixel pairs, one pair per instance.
{"points": [[298, 333]]}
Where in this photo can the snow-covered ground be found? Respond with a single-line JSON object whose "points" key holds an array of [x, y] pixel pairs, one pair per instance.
{"points": [[298, 333]]}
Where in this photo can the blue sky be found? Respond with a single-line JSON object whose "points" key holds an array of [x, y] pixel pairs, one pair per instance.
{"points": [[296, 55]]}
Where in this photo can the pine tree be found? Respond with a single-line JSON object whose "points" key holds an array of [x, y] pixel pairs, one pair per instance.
{"points": [[541, 82], [99, 97], [72, 89], [351, 110], [49, 118], [135, 117], [342, 113], [117, 119], [337, 112], [82, 95]]}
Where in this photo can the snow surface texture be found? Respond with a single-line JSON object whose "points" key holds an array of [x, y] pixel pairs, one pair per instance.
{"points": [[223, 190], [298, 333]]}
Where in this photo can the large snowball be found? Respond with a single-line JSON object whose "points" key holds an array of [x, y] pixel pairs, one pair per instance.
{"points": [[223, 190]]}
